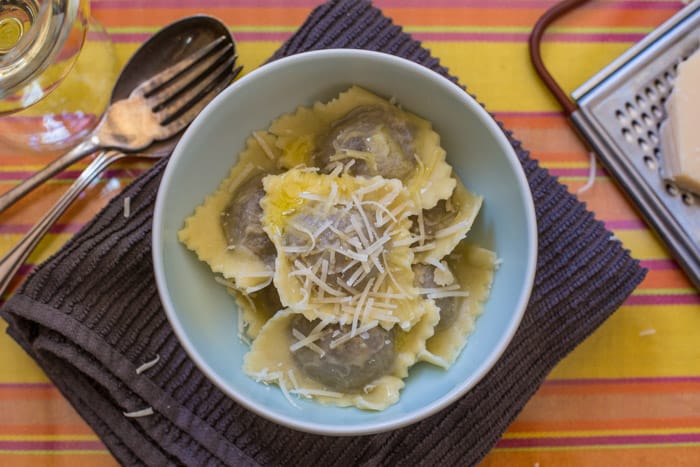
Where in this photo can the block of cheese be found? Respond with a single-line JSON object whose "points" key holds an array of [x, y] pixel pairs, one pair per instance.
{"points": [[680, 132]]}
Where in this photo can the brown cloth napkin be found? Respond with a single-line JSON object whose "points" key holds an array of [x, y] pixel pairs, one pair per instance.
{"points": [[90, 316]]}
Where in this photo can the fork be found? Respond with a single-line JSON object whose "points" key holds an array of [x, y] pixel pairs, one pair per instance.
{"points": [[157, 109], [207, 90]]}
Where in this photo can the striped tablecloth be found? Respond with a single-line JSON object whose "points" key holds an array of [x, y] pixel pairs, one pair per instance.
{"points": [[629, 395]]}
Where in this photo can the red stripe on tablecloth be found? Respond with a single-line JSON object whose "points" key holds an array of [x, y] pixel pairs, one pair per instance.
{"points": [[572, 441], [664, 299], [53, 445], [476, 36], [21, 229]]}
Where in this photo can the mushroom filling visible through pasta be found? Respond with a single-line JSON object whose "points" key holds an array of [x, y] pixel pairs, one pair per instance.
{"points": [[424, 278], [435, 219], [379, 141], [241, 220], [349, 366]]}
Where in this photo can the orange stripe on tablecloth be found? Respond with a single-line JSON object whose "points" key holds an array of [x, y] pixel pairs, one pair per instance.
{"points": [[14, 159], [606, 17], [232, 17], [597, 410], [532, 119], [29, 411], [605, 200], [665, 279], [27, 392], [661, 385], [523, 427], [62, 427]]}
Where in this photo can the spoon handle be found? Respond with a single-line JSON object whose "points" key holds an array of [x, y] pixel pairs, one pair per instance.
{"points": [[12, 261], [88, 146]]}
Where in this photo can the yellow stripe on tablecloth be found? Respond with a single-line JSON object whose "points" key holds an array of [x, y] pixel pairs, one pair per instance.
{"points": [[48, 246], [642, 243], [508, 84], [622, 347], [17, 366], [657, 291]]}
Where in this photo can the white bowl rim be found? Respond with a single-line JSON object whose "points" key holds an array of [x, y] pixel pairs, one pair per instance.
{"points": [[411, 417]]}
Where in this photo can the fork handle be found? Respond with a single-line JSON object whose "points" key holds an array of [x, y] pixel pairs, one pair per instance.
{"points": [[86, 147], [11, 262]]}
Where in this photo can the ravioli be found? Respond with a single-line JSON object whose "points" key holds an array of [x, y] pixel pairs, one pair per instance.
{"points": [[203, 232], [441, 228], [343, 247], [366, 371], [372, 136], [460, 300]]}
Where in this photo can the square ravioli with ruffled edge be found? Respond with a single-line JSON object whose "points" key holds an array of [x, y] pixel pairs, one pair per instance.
{"points": [[459, 287], [312, 359], [370, 136], [226, 231], [342, 247]]}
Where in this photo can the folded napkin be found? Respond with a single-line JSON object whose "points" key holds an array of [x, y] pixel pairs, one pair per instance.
{"points": [[90, 316]]}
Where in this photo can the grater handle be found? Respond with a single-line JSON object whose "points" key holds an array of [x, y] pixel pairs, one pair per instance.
{"points": [[535, 42]]}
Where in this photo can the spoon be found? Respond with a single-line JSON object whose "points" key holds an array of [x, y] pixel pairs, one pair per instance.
{"points": [[157, 54], [165, 48]]}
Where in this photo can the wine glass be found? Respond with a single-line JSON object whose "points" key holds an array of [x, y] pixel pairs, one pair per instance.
{"points": [[57, 67]]}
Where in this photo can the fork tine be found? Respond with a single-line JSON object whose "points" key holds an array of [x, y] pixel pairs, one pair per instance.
{"points": [[185, 98], [171, 72], [186, 78], [183, 120]]}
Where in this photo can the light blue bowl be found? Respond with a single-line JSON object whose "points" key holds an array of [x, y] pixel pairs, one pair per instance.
{"points": [[203, 315]]}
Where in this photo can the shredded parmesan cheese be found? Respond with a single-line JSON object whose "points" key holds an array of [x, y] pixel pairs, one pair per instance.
{"points": [[315, 392], [447, 231], [306, 341], [591, 174], [286, 392], [139, 413], [148, 365], [347, 336], [263, 144], [127, 207], [245, 172]]}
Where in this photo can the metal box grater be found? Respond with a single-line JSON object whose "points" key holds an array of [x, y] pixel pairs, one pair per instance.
{"points": [[620, 112]]}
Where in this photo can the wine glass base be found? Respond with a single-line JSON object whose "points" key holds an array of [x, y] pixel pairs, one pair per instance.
{"points": [[67, 115]]}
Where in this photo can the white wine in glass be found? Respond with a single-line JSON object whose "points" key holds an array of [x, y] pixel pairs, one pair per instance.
{"points": [[57, 67]]}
